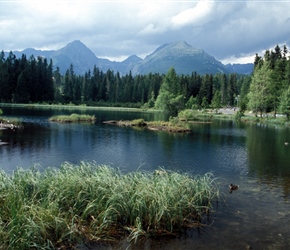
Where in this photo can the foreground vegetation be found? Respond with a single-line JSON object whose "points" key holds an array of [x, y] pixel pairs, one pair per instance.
{"points": [[73, 118], [75, 204]]}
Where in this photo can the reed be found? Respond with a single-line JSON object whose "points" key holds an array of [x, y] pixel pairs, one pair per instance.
{"points": [[173, 125], [90, 202], [73, 118]]}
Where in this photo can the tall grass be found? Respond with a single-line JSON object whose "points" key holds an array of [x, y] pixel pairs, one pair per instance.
{"points": [[90, 202], [73, 118], [173, 125]]}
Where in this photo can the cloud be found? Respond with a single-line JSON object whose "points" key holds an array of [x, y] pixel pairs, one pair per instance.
{"points": [[228, 30], [197, 15]]}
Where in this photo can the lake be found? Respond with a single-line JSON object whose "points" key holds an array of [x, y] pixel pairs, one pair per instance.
{"points": [[254, 157]]}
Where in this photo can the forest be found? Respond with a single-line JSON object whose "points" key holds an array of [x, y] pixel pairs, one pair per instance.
{"points": [[34, 80]]}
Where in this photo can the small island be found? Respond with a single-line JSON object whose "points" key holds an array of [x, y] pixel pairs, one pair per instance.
{"points": [[72, 118], [170, 126]]}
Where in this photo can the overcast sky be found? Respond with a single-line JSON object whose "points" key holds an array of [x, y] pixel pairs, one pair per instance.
{"points": [[231, 31]]}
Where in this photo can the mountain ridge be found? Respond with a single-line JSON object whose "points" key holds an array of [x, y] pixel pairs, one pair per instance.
{"points": [[180, 55], [184, 58]]}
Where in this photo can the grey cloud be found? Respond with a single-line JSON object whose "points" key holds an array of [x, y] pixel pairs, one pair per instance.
{"points": [[224, 29]]}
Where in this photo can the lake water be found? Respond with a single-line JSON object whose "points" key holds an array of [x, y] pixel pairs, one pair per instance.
{"points": [[255, 157]]}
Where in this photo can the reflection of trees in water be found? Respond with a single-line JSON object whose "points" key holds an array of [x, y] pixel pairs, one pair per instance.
{"points": [[286, 186], [168, 140], [28, 139], [268, 155]]}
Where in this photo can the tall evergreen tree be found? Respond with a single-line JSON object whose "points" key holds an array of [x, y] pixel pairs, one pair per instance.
{"points": [[168, 98], [22, 89], [259, 89], [4, 80], [232, 89], [205, 93], [69, 79]]}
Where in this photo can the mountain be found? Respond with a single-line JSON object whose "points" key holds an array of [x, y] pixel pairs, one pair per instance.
{"points": [[80, 56], [32, 52], [180, 55], [127, 65], [184, 58]]}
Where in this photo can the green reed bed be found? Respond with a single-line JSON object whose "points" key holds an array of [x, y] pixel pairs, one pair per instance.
{"points": [[90, 202], [173, 125], [73, 118]]}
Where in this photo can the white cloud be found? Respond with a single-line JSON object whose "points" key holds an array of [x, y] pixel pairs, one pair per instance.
{"points": [[197, 15], [150, 29], [242, 59], [115, 29]]}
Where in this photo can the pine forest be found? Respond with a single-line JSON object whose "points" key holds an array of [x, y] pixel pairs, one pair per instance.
{"points": [[34, 80]]}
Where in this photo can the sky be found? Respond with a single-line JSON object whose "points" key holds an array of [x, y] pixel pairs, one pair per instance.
{"points": [[231, 31]]}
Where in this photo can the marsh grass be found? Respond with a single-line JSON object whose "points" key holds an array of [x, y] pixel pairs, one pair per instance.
{"points": [[73, 118], [173, 125], [268, 120], [90, 202], [203, 116]]}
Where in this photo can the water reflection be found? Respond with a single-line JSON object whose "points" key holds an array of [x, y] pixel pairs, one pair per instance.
{"points": [[268, 154], [224, 147], [256, 158]]}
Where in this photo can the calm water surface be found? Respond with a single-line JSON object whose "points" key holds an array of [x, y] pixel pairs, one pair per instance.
{"points": [[257, 216]]}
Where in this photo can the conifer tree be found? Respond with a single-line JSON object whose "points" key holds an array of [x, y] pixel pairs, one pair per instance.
{"points": [[169, 99], [259, 88]]}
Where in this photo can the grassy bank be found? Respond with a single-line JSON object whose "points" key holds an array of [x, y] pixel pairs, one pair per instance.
{"points": [[89, 202], [247, 117], [205, 115], [73, 118], [80, 107], [280, 121]]}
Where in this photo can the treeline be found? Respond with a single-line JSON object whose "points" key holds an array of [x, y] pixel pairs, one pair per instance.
{"points": [[33, 80], [270, 86], [25, 80], [97, 88]]}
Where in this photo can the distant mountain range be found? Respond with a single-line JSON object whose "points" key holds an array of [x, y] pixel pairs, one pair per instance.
{"points": [[184, 58]]}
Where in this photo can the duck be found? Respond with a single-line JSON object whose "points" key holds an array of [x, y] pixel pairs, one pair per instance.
{"points": [[233, 187], [286, 143]]}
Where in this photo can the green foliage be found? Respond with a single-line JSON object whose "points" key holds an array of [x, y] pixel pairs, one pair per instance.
{"points": [[285, 103], [58, 209], [204, 103], [187, 114], [239, 115], [269, 81], [1, 112], [243, 104], [26, 80], [174, 125], [192, 103], [151, 101], [216, 101], [138, 122], [170, 99], [32, 80], [73, 118], [259, 95]]}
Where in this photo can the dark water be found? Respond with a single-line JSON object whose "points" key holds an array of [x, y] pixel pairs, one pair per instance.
{"points": [[257, 216]]}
